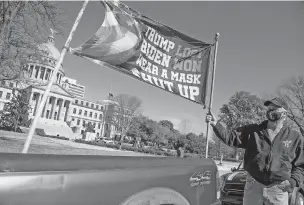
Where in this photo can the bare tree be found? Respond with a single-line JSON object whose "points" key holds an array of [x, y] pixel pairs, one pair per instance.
{"points": [[292, 92], [23, 26], [128, 107], [185, 126]]}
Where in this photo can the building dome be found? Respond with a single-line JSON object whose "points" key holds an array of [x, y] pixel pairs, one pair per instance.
{"points": [[40, 68], [49, 49]]}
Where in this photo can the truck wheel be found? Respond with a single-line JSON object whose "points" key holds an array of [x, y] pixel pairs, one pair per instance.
{"points": [[156, 196], [299, 199]]}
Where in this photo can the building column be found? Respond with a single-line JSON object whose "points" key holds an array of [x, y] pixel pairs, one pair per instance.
{"points": [[52, 108], [31, 102], [43, 114], [33, 71], [37, 102], [66, 110], [60, 109], [45, 69], [31, 97], [39, 72]]}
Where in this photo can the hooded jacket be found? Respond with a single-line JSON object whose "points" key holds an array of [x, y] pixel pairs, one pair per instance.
{"points": [[268, 162]]}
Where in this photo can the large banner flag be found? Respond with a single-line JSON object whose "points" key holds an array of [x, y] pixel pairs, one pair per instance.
{"points": [[149, 51]]}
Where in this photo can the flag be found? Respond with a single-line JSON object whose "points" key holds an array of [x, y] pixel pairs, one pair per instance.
{"points": [[149, 51]]}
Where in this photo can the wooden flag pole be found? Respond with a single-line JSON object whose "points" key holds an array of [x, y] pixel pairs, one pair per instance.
{"points": [[48, 88], [216, 39]]}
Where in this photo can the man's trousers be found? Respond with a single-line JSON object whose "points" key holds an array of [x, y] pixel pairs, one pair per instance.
{"points": [[256, 193]]}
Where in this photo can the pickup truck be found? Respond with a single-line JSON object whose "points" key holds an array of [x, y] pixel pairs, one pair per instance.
{"points": [[37, 179]]}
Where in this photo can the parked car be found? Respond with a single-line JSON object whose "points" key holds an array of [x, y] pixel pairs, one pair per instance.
{"points": [[233, 184], [106, 141]]}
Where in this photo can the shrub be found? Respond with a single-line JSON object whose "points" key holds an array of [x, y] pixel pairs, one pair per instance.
{"points": [[42, 134], [39, 132], [57, 137], [129, 148]]}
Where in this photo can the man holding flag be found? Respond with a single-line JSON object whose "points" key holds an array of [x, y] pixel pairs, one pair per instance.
{"points": [[274, 155]]}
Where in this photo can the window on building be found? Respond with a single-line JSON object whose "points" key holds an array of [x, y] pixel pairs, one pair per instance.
{"points": [[74, 111], [99, 126], [106, 127], [47, 75], [94, 124], [85, 113], [81, 102], [1, 93], [76, 101], [83, 123], [73, 119], [91, 114], [42, 73], [31, 70], [97, 107], [11, 85], [87, 104], [78, 122], [95, 115], [92, 105], [57, 102], [8, 96], [37, 71], [47, 114], [79, 112], [100, 116], [3, 83]]}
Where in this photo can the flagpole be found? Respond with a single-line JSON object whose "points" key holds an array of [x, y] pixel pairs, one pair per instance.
{"points": [[48, 88], [216, 39]]}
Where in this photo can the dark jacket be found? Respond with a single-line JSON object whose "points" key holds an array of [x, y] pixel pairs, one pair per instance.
{"points": [[268, 162]]}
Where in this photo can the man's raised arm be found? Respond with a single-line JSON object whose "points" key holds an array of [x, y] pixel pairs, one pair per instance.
{"points": [[235, 138]]}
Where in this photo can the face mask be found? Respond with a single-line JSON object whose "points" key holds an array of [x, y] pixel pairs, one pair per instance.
{"points": [[273, 115]]}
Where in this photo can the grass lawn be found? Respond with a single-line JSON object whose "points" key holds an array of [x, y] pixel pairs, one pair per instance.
{"points": [[13, 143]]}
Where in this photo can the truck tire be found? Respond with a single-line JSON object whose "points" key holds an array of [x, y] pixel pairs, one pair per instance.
{"points": [[157, 196]]}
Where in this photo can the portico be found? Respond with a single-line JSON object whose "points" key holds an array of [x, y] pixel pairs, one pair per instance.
{"points": [[56, 106]]}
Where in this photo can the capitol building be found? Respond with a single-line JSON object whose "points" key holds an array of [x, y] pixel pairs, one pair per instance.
{"points": [[66, 112]]}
